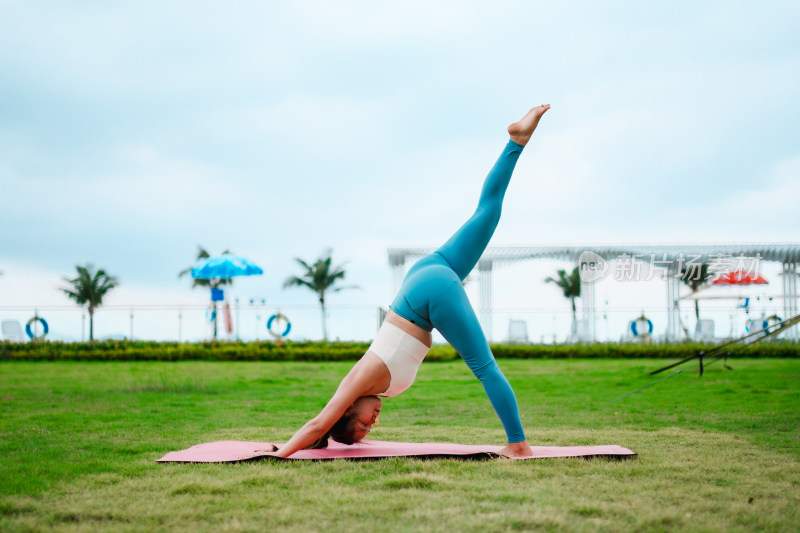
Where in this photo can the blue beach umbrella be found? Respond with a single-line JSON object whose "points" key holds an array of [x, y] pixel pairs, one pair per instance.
{"points": [[225, 266]]}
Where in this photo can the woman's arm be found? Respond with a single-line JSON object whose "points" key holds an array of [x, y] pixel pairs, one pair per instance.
{"points": [[360, 381], [317, 426]]}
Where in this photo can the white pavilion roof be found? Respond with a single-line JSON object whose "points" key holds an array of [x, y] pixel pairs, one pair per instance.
{"points": [[699, 253]]}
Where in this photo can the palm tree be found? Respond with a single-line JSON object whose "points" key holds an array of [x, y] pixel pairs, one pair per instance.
{"points": [[571, 286], [695, 276], [202, 253], [319, 277], [89, 287]]}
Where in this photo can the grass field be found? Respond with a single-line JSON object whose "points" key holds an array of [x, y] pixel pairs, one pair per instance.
{"points": [[78, 444]]}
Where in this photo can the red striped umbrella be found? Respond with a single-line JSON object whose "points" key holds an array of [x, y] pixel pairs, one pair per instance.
{"points": [[740, 277]]}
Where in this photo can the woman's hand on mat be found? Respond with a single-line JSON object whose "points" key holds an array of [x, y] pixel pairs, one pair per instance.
{"points": [[269, 451], [517, 450]]}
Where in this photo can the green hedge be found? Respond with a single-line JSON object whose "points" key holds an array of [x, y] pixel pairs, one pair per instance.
{"points": [[348, 351]]}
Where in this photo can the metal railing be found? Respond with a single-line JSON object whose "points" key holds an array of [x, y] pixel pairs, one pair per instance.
{"points": [[193, 322]]}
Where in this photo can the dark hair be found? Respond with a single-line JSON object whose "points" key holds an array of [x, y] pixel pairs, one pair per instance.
{"points": [[342, 431]]}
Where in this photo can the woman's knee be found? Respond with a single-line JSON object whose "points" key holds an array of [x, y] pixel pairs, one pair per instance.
{"points": [[484, 367]]}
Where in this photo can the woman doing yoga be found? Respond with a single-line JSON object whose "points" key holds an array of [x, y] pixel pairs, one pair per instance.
{"points": [[431, 296]]}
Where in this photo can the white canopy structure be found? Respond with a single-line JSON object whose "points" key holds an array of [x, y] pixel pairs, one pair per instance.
{"points": [[668, 257]]}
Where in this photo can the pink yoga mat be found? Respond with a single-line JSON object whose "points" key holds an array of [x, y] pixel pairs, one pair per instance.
{"points": [[229, 451]]}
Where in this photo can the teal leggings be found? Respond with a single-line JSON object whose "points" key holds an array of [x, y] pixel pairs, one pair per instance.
{"points": [[432, 295]]}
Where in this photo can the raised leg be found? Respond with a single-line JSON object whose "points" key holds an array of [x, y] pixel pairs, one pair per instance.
{"points": [[463, 250], [467, 244]]}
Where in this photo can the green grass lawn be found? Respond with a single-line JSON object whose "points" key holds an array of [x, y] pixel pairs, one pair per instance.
{"points": [[78, 444]]}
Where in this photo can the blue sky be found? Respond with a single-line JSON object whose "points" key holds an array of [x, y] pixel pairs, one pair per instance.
{"points": [[132, 132]]}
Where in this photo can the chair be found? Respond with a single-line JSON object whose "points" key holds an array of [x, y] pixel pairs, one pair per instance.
{"points": [[12, 331], [704, 330], [517, 332]]}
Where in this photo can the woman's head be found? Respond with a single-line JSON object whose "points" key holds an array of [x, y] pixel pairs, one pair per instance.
{"points": [[358, 420], [355, 423]]}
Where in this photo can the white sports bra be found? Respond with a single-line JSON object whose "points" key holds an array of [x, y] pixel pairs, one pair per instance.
{"points": [[402, 354]]}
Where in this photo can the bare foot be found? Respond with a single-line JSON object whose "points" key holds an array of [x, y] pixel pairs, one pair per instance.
{"points": [[517, 450], [522, 130]]}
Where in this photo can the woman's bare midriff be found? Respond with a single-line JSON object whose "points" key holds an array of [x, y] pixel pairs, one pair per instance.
{"points": [[379, 376], [412, 329]]}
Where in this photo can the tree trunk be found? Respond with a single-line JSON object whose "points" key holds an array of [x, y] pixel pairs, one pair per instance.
{"points": [[214, 314], [697, 309], [574, 316], [91, 324], [324, 321]]}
